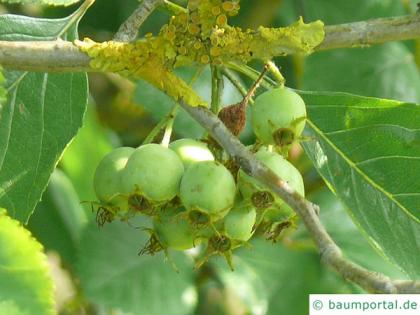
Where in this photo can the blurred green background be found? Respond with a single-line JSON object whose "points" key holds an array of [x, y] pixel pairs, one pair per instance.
{"points": [[97, 271]]}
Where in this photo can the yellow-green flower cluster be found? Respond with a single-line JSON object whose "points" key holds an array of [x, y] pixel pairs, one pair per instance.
{"points": [[265, 43], [199, 35], [208, 15], [190, 33], [148, 59]]}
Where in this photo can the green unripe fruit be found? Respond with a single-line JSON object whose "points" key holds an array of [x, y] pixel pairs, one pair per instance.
{"points": [[107, 180], [239, 222], [153, 172], [173, 230], [208, 188], [278, 116], [250, 187], [190, 151]]}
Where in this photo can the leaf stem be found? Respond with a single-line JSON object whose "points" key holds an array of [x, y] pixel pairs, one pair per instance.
{"points": [[76, 16]]}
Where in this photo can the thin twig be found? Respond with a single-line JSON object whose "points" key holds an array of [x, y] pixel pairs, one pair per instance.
{"points": [[45, 56], [329, 251], [366, 33], [64, 56], [129, 30]]}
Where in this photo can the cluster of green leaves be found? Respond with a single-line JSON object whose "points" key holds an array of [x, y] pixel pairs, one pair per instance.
{"points": [[42, 114], [366, 149], [376, 143]]}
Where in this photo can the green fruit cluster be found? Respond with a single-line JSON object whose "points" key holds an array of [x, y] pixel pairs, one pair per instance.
{"points": [[196, 200]]}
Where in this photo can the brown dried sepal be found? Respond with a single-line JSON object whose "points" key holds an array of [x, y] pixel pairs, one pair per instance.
{"points": [[198, 219], [276, 229], [262, 199], [140, 204], [152, 246], [104, 215], [234, 117]]}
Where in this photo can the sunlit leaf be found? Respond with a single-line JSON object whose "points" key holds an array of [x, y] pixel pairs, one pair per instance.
{"points": [[26, 287], [42, 114], [368, 151]]}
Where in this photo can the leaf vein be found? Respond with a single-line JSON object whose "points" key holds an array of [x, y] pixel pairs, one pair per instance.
{"points": [[364, 175]]}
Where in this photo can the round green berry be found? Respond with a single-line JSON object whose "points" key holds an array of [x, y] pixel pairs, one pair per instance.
{"points": [[107, 180], [278, 116], [239, 222], [173, 230], [209, 188], [252, 189], [153, 172], [191, 151]]}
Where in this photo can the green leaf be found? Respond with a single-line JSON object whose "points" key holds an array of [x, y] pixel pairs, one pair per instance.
{"points": [[337, 12], [385, 71], [243, 288], [3, 91], [368, 152], [42, 115], [112, 273], [348, 237], [287, 276], [26, 285], [80, 170], [43, 2], [59, 218]]}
